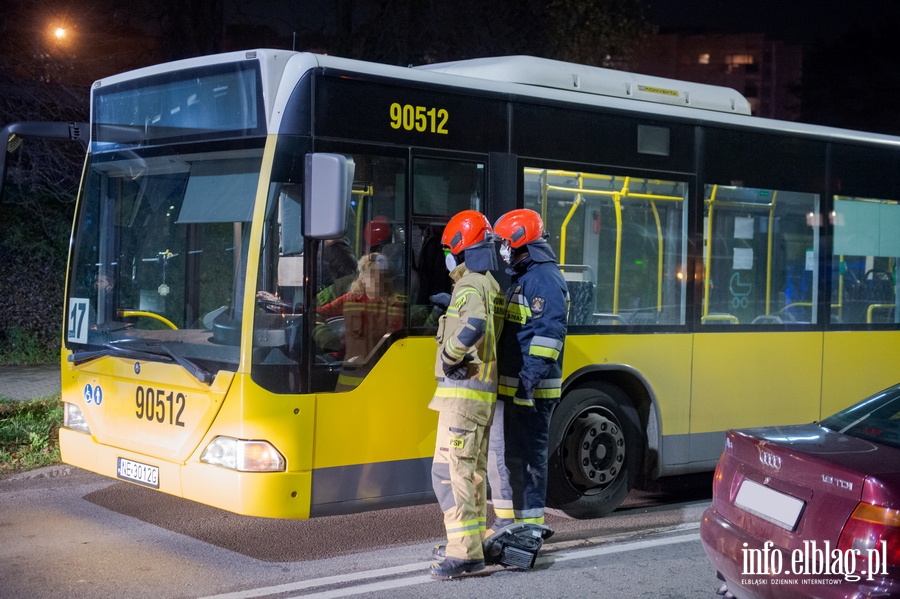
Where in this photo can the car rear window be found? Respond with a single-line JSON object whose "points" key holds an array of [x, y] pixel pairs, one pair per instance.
{"points": [[874, 419]]}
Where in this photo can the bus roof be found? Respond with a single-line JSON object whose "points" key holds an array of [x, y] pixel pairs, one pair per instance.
{"points": [[487, 74], [528, 76], [543, 72]]}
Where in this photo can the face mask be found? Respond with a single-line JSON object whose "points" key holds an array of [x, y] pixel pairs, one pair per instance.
{"points": [[450, 261], [506, 253]]}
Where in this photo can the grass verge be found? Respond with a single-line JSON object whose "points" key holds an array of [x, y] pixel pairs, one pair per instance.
{"points": [[29, 433]]}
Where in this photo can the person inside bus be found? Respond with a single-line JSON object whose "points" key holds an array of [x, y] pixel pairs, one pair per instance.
{"points": [[104, 284], [465, 369], [370, 310], [380, 235], [530, 351], [339, 270], [433, 275], [376, 234]]}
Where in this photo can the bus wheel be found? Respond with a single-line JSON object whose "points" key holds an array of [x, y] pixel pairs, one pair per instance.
{"points": [[595, 451]]}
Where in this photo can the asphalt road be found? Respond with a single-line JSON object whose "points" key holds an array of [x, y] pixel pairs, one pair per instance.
{"points": [[68, 533]]}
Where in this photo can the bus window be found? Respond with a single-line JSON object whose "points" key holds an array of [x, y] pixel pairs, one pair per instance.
{"points": [[362, 283], [277, 321], [441, 188], [759, 256], [359, 282], [866, 249], [445, 187], [369, 285], [620, 242], [159, 253]]}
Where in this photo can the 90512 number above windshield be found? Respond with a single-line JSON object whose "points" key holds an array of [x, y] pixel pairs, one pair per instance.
{"points": [[419, 118], [165, 407]]}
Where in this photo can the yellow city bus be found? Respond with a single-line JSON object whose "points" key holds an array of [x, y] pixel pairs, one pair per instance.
{"points": [[725, 271]]}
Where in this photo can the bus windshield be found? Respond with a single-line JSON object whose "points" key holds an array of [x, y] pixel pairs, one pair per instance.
{"points": [[211, 102], [159, 252]]}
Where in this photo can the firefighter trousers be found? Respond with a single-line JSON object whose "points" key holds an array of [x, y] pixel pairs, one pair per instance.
{"points": [[519, 460], [458, 475]]}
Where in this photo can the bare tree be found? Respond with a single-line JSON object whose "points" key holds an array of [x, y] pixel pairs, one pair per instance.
{"points": [[189, 27], [599, 32]]}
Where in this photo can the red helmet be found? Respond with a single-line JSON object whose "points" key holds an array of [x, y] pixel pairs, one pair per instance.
{"points": [[376, 232], [465, 230], [519, 227]]}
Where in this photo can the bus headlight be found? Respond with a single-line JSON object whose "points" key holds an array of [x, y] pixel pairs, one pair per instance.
{"points": [[243, 455], [74, 419]]}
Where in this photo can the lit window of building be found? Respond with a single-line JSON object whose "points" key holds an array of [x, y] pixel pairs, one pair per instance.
{"points": [[768, 72], [735, 60]]}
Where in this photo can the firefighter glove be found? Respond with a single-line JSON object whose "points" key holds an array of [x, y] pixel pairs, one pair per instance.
{"points": [[441, 300], [524, 399], [458, 371]]}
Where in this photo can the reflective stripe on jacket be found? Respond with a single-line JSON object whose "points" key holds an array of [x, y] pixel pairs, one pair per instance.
{"points": [[531, 345], [470, 327]]}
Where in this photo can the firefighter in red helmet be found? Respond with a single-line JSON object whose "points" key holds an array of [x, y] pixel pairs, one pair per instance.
{"points": [[376, 234], [530, 370], [466, 391]]}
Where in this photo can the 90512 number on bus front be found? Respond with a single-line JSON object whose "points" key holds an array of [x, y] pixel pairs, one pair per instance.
{"points": [[165, 407]]}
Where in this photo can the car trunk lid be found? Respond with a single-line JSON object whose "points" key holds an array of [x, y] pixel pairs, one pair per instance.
{"points": [[785, 484]]}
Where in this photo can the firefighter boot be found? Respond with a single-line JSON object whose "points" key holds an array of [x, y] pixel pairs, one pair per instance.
{"points": [[452, 567]]}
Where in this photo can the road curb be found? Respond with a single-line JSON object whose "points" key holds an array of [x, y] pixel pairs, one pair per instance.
{"points": [[56, 471]]}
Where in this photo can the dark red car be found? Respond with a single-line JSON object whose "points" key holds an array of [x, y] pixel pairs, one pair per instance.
{"points": [[810, 510]]}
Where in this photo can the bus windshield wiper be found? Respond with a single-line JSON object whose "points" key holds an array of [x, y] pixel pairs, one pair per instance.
{"points": [[80, 357], [110, 348], [122, 347], [201, 374]]}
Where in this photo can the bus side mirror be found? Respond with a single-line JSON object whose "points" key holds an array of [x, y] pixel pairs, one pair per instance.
{"points": [[326, 198], [11, 136]]}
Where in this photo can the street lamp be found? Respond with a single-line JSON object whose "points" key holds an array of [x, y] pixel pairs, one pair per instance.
{"points": [[58, 48], [59, 34]]}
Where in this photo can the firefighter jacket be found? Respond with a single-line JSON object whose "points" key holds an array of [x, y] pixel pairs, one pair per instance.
{"points": [[530, 349], [467, 333]]}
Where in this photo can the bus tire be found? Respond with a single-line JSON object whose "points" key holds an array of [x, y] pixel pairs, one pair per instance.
{"points": [[595, 448]]}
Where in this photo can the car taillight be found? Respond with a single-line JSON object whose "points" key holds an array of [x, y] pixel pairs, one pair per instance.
{"points": [[867, 527], [717, 477]]}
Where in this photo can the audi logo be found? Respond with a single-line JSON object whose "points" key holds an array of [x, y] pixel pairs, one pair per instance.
{"points": [[767, 458]]}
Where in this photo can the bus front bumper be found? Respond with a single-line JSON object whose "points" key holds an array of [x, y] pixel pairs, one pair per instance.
{"points": [[261, 494]]}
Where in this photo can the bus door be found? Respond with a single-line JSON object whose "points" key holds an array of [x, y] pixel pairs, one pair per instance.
{"points": [[368, 350], [379, 363]]}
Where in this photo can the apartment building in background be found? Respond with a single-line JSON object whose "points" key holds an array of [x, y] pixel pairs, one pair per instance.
{"points": [[767, 72]]}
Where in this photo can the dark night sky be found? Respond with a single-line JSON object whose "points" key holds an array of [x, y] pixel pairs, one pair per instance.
{"points": [[793, 21]]}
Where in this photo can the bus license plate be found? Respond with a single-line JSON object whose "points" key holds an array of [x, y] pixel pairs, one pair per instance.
{"points": [[136, 472]]}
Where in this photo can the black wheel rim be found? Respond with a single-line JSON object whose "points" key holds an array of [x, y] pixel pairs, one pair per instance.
{"points": [[594, 449]]}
